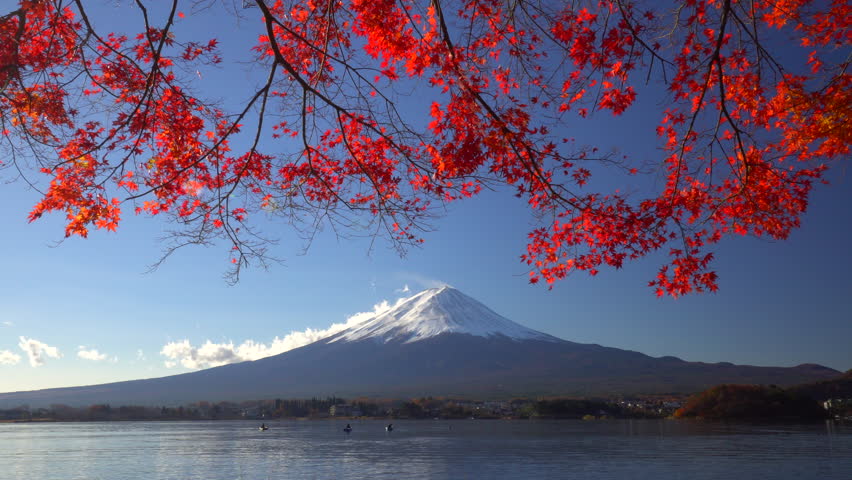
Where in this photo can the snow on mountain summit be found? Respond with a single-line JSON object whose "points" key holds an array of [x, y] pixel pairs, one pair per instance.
{"points": [[436, 311]]}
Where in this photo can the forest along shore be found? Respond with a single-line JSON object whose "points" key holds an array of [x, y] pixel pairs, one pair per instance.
{"points": [[736, 402]]}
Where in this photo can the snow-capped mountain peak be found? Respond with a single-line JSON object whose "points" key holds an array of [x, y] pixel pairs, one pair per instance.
{"points": [[434, 312]]}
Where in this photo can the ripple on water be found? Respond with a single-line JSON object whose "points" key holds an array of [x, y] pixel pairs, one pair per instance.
{"points": [[424, 450]]}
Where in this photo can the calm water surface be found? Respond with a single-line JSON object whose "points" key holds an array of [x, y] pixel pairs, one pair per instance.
{"points": [[476, 449]]}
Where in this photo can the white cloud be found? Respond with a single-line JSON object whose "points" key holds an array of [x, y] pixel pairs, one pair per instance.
{"points": [[404, 289], [91, 354], [424, 282], [177, 350], [9, 358], [215, 354], [7, 323], [208, 355], [140, 355], [37, 351]]}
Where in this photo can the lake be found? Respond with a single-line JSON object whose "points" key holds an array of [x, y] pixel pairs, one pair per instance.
{"points": [[425, 449]]}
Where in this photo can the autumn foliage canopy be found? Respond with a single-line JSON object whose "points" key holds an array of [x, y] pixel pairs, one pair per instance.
{"points": [[751, 402], [758, 106]]}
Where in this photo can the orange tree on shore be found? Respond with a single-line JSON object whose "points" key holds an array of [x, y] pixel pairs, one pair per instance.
{"points": [[758, 107]]}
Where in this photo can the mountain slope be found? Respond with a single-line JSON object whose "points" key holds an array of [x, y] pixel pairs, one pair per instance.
{"points": [[439, 342], [840, 387]]}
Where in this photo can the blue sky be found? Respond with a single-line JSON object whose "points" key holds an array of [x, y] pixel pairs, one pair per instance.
{"points": [[780, 303]]}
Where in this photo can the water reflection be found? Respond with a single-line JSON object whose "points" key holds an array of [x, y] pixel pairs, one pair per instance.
{"points": [[633, 449]]}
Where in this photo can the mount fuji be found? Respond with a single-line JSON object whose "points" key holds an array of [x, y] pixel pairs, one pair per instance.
{"points": [[436, 312], [439, 342]]}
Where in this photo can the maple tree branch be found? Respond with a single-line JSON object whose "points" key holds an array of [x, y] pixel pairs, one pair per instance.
{"points": [[324, 49], [326, 56], [365, 162], [356, 76], [231, 129], [714, 59], [12, 68], [264, 92], [309, 88], [737, 132], [627, 19], [761, 50], [138, 106], [532, 168]]}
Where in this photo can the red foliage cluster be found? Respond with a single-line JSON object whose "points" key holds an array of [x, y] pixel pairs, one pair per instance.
{"points": [[746, 133]]}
